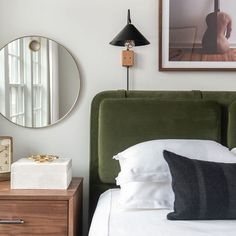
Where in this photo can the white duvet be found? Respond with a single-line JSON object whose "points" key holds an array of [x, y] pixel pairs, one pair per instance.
{"points": [[110, 220]]}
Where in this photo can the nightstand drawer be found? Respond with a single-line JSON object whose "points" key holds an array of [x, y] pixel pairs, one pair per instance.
{"points": [[39, 217]]}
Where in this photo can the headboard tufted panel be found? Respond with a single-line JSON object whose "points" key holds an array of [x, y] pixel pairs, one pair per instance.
{"points": [[125, 122]]}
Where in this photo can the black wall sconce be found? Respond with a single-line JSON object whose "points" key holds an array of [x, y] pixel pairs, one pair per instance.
{"points": [[129, 37]]}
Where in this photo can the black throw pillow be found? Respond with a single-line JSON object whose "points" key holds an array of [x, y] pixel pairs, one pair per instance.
{"points": [[203, 190]]}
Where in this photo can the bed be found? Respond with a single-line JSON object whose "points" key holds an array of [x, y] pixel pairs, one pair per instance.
{"points": [[120, 119], [110, 220]]}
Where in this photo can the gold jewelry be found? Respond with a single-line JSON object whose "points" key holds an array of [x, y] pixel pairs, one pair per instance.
{"points": [[43, 158]]}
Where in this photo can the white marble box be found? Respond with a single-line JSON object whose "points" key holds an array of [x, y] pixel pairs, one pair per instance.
{"points": [[28, 174]]}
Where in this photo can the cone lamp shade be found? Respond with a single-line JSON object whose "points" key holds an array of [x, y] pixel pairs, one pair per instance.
{"points": [[129, 33]]}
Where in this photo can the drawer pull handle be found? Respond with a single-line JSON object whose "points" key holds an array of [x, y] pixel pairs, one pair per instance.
{"points": [[13, 221]]}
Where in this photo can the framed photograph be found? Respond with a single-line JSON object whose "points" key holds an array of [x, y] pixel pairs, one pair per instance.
{"points": [[6, 152], [197, 35]]}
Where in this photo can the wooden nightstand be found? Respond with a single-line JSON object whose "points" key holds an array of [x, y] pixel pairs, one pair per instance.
{"points": [[41, 212]]}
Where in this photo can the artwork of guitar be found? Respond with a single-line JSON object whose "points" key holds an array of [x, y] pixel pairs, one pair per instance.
{"points": [[215, 39]]}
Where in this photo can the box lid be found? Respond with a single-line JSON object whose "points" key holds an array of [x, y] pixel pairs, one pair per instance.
{"points": [[26, 165]]}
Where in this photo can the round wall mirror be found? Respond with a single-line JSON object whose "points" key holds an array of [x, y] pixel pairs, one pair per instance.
{"points": [[39, 82]]}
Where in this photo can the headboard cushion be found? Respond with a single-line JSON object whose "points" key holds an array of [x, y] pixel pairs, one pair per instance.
{"points": [[224, 98], [125, 122]]}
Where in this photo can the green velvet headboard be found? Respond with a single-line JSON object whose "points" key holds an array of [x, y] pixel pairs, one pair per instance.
{"points": [[120, 119]]}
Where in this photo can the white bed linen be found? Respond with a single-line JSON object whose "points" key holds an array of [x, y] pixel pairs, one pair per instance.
{"points": [[110, 220]]}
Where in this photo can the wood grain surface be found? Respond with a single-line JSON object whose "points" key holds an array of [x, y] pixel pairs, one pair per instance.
{"points": [[44, 212], [39, 194], [40, 217]]}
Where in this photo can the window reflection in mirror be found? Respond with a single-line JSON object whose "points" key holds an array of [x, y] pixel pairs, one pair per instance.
{"points": [[39, 81]]}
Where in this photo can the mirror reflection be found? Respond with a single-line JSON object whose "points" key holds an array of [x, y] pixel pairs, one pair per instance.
{"points": [[39, 82]]}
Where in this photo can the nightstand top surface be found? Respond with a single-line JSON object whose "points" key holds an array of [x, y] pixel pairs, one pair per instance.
{"points": [[7, 193]]}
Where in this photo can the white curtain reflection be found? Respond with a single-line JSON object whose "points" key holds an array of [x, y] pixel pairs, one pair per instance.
{"points": [[54, 81], [26, 79]]}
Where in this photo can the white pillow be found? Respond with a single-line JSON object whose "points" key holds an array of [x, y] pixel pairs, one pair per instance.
{"points": [[145, 161], [146, 195], [233, 151]]}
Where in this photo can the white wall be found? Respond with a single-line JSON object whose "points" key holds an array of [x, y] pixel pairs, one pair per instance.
{"points": [[85, 27], [192, 13]]}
